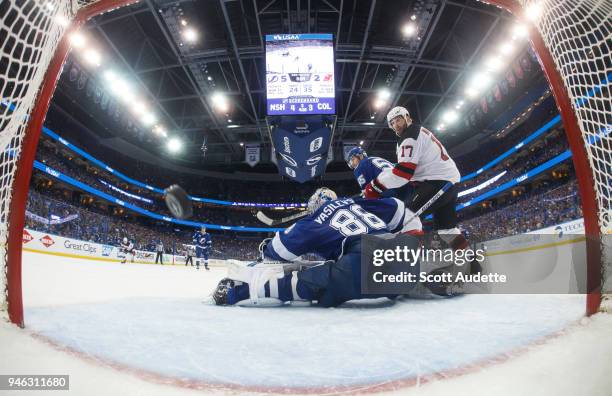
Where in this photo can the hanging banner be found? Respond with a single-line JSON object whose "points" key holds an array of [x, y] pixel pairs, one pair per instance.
{"points": [[252, 154], [54, 220], [302, 146]]}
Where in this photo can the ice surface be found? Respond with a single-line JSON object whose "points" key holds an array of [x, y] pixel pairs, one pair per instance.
{"points": [[152, 318]]}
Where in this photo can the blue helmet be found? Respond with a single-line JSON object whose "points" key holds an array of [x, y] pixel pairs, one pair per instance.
{"points": [[355, 151]]}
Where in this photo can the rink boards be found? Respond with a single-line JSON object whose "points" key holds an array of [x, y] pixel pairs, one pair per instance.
{"points": [[41, 242]]}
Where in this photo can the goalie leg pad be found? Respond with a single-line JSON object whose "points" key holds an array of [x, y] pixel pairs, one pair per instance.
{"points": [[261, 280]]}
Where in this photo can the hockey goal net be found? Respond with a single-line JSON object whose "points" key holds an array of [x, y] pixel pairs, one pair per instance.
{"points": [[34, 41], [572, 40]]}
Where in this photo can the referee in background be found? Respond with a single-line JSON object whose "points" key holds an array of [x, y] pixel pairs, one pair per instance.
{"points": [[159, 248]]}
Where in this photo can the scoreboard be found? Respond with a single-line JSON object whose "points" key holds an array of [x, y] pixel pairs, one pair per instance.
{"points": [[300, 74]]}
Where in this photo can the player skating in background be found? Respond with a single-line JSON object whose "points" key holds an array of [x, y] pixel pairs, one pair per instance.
{"points": [[127, 248], [332, 231], [203, 243], [423, 162]]}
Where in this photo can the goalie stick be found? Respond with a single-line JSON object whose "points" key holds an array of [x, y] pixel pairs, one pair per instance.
{"points": [[261, 216]]}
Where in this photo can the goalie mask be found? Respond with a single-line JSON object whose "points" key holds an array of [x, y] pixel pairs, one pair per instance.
{"points": [[320, 197], [125, 241]]}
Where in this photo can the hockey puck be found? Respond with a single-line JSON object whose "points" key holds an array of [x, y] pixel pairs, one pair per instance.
{"points": [[178, 202]]}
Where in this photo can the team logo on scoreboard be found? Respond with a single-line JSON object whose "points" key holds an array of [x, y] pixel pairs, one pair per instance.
{"points": [[290, 171], [316, 144], [327, 77], [273, 78], [314, 160], [47, 241], [288, 159], [27, 237]]}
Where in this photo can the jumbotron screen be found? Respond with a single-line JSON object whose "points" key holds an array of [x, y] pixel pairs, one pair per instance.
{"points": [[300, 74]]}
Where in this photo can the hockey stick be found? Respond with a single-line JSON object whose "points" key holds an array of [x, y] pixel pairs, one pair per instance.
{"points": [[261, 216], [431, 201]]}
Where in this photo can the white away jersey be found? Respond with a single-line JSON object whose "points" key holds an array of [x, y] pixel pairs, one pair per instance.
{"points": [[127, 246], [420, 156]]}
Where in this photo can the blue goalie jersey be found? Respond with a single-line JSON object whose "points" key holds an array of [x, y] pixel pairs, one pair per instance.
{"points": [[323, 233], [202, 241], [369, 168]]}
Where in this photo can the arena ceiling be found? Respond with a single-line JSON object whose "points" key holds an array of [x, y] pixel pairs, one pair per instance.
{"points": [[425, 71]]}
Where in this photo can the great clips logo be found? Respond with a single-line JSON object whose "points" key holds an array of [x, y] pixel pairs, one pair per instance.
{"points": [[27, 237], [47, 241]]}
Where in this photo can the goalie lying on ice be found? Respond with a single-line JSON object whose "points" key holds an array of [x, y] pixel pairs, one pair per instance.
{"points": [[331, 231]]}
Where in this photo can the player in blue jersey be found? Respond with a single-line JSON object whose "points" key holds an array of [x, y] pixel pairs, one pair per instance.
{"points": [[332, 231], [203, 243], [365, 168], [368, 168]]}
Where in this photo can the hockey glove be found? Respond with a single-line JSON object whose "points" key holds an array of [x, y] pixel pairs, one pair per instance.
{"points": [[372, 190]]}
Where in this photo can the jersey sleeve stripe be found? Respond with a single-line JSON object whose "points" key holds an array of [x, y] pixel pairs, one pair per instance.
{"points": [[378, 185], [407, 165], [398, 216], [281, 250], [403, 171]]}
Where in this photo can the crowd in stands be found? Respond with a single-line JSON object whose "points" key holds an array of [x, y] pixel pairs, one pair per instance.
{"points": [[92, 226], [70, 166], [518, 164], [542, 207], [206, 187], [542, 204], [495, 146]]}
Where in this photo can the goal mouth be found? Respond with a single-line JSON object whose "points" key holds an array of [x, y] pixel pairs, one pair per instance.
{"points": [[428, 363], [570, 41]]}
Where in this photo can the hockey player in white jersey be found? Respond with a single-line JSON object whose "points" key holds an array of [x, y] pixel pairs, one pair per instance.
{"points": [[423, 162], [126, 248]]}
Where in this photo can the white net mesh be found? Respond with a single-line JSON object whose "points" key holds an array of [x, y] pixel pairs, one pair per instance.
{"points": [[578, 35], [29, 33]]}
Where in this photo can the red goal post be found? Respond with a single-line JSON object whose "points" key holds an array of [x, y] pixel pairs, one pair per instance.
{"points": [[572, 42], [34, 38], [35, 41]]}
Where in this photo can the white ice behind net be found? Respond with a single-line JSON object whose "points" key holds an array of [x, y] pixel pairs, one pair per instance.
{"points": [[578, 34]]}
